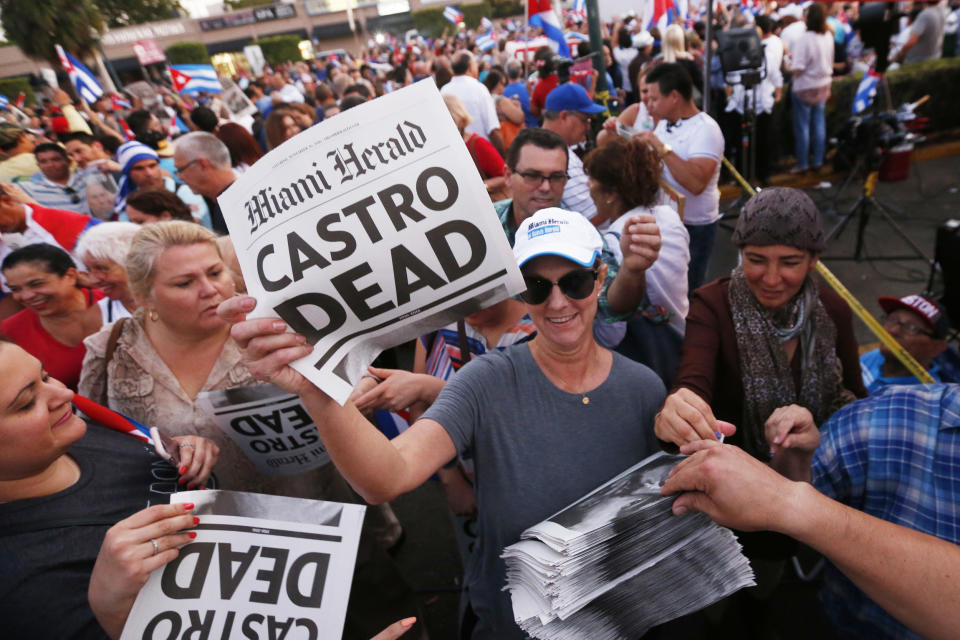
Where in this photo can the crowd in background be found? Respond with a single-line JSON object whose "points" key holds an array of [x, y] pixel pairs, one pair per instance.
{"points": [[116, 263]]}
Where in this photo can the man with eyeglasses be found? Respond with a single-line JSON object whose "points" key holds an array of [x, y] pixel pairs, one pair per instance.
{"points": [[920, 325], [537, 173], [56, 186], [567, 112], [203, 164]]}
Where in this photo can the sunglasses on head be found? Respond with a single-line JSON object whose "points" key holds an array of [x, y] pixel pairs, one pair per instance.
{"points": [[576, 285]]}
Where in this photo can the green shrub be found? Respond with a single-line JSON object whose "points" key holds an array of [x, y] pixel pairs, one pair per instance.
{"points": [[279, 49], [188, 53], [11, 87]]}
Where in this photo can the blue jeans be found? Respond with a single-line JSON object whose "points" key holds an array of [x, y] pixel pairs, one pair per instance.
{"points": [[809, 128], [702, 238]]}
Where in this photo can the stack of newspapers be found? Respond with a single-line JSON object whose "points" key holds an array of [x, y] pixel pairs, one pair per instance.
{"points": [[617, 562]]}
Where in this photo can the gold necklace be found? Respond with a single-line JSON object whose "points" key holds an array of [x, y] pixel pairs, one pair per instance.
{"points": [[584, 398]]}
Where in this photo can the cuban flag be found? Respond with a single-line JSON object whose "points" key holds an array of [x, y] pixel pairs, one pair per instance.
{"points": [[451, 14], [579, 8], [486, 41], [541, 15], [110, 418], [866, 91], [510, 25], [83, 80], [486, 23], [658, 13], [119, 103], [4, 101], [191, 79]]}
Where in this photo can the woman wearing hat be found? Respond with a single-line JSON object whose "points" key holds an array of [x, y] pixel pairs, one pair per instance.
{"points": [[546, 420], [768, 350], [766, 337]]}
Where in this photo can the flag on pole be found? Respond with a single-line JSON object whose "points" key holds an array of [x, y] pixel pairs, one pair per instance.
{"points": [[542, 16], [21, 98], [658, 13], [451, 14], [866, 91], [580, 8], [486, 41], [191, 79], [83, 80], [486, 23], [4, 101]]}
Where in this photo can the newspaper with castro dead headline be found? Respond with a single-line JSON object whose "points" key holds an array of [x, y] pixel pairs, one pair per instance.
{"points": [[368, 230], [260, 567], [271, 427]]}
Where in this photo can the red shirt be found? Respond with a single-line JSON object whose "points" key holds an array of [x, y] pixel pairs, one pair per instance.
{"points": [[544, 86], [485, 156], [60, 361]]}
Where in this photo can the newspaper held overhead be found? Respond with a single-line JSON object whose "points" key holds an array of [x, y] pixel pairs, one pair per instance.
{"points": [[617, 562], [369, 230], [260, 567], [271, 427]]}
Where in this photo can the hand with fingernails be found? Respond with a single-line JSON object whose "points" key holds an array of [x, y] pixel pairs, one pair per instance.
{"points": [[197, 459], [132, 549]]}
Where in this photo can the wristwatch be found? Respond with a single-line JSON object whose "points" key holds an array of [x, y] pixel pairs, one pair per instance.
{"points": [[665, 150]]}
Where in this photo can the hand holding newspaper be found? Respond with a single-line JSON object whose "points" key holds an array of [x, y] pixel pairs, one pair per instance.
{"points": [[369, 230]]}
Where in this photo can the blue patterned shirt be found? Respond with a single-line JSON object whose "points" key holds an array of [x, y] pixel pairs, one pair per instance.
{"points": [[896, 456], [504, 209]]}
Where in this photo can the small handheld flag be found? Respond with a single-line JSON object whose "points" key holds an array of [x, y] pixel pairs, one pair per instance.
{"points": [[866, 91], [83, 80], [4, 101], [451, 14], [191, 79]]}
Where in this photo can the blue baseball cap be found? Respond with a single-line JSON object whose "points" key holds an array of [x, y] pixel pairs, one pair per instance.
{"points": [[570, 96]]}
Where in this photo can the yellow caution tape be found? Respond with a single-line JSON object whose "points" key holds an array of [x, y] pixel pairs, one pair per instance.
{"points": [[885, 338]]}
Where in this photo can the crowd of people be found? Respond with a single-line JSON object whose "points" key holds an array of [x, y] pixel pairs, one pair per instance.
{"points": [[120, 283]]}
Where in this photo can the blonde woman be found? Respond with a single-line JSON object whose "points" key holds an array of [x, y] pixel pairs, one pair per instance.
{"points": [[174, 347]]}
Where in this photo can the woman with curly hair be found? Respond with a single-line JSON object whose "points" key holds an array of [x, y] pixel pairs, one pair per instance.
{"points": [[624, 180]]}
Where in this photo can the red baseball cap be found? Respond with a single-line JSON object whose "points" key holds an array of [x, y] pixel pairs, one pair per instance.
{"points": [[931, 312]]}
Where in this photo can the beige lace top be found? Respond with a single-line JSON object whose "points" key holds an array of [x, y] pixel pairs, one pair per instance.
{"points": [[138, 384]]}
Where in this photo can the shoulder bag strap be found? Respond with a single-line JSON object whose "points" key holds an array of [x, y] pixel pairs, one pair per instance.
{"points": [[465, 354]]}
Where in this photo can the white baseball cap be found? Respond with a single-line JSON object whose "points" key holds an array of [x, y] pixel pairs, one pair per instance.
{"points": [[557, 232]]}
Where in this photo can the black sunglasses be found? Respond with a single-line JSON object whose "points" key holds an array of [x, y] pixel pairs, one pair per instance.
{"points": [[74, 198], [576, 285]]}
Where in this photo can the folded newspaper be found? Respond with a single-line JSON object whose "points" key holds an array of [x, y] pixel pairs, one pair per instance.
{"points": [[261, 566], [617, 562]]}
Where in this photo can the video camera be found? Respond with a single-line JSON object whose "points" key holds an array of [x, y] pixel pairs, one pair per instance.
{"points": [[868, 137]]}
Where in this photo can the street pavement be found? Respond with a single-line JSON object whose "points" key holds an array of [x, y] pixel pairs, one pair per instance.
{"points": [[429, 558]]}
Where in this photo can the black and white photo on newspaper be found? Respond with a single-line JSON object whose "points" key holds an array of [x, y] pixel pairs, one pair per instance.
{"points": [[271, 427], [261, 566], [369, 230], [617, 562]]}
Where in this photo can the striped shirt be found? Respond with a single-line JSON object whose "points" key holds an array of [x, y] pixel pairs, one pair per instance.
{"points": [[895, 456], [69, 197], [576, 193]]}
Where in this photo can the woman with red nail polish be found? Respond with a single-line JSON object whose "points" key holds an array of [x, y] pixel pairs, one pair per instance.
{"points": [[64, 483], [175, 347]]}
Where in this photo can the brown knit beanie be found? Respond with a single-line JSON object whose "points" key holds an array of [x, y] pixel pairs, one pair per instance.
{"points": [[780, 215]]}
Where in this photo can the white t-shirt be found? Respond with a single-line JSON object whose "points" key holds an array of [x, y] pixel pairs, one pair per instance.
{"points": [[477, 101], [624, 57], [761, 97], [667, 278], [111, 310], [792, 33], [696, 137]]}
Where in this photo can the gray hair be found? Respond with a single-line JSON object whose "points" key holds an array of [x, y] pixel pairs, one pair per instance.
{"points": [[200, 144], [514, 69], [106, 241]]}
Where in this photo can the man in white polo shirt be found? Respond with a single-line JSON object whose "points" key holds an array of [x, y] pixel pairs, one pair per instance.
{"points": [[690, 144]]}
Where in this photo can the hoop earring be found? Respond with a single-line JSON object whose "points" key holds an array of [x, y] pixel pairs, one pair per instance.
{"points": [[154, 315]]}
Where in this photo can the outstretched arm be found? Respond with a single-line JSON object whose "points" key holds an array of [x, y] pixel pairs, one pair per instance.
{"points": [[379, 469], [910, 574]]}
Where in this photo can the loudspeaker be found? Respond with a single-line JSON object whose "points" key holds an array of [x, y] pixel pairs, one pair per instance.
{"points": [[740, 50]]}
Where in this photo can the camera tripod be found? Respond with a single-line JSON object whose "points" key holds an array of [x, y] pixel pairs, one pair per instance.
{"points": [[865, 206]]}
